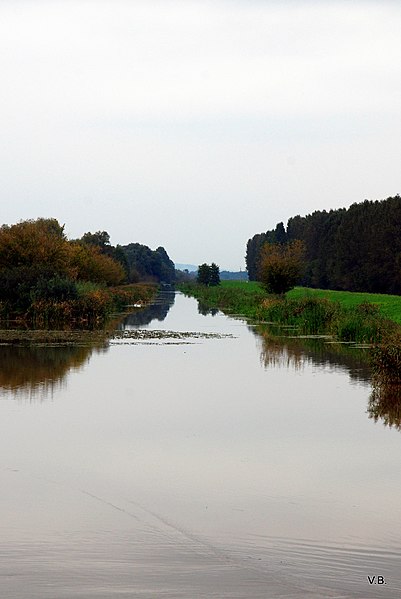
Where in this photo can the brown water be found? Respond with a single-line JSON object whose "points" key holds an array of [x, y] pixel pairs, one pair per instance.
{"points": [[233, 467]]}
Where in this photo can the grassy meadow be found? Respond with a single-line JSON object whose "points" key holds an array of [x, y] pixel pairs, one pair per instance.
{"points": [[389, 306]]}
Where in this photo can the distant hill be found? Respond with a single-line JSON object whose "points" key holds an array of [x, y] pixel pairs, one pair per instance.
{"points": [[189, 267]]}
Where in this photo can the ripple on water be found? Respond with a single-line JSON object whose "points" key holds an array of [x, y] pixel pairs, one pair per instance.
{"points": [[342, 566]]}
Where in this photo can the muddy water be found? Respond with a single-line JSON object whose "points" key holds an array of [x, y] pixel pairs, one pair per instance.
{"points": [[227, 466]]}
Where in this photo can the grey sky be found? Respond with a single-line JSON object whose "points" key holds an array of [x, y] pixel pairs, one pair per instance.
{"points": [[195, 124]]}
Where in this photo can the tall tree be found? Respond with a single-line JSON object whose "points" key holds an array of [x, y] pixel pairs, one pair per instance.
{"points": [[203, 277], [214, 275]]}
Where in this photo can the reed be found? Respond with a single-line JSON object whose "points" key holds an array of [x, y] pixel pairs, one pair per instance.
{"points": [[90, 309]]}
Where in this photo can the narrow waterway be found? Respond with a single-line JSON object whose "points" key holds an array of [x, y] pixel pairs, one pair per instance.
{"points": [[226, 465]]}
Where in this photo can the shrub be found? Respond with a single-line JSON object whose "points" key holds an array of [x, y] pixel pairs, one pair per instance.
{"points": [[280, 266], [57, 288]]}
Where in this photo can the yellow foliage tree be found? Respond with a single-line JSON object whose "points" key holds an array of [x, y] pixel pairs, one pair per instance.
{"points": [[87, 263], [40, 243], [281, 265]]}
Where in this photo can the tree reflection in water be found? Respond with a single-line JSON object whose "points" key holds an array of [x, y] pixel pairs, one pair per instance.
{"points": [[385, 403], [206, 310], [281, 349], [157, 310], [291, 352], [35, 371]]}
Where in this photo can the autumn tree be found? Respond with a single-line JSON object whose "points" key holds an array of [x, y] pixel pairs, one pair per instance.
{"points": [[280, 266], [87, 263], [32, 254], [34, 242]]}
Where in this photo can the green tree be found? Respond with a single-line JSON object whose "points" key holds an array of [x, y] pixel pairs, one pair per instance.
{"points": [[203, 277], [280, 266], [100, 238], [214, 278], [208, 274]]}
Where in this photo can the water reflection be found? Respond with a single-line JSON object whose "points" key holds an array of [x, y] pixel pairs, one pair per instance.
{"points": [[158, 310], [145, 479], [295, 353], [385, 404], [206, 310], [37, 371], [278, 349]]}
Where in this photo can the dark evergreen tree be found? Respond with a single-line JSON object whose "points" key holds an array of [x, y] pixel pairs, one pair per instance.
{"points": [[203, 276], [214, 275]]}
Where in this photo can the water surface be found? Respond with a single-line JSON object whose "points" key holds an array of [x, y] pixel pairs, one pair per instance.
{"points": [[236, 467]]}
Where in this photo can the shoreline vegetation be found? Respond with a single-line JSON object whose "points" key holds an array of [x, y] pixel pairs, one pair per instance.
{"points": [[87, 319], [52, 287], [365, 319]]}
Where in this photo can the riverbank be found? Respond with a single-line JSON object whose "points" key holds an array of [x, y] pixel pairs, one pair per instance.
{"points": [[363, 318], [87, 319], [369, 319]]}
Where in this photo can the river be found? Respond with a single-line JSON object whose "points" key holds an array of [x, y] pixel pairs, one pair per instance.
{"points": [[226, 464]]}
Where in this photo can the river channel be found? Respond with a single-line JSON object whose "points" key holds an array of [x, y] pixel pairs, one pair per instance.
{"points": [[222, 464]]}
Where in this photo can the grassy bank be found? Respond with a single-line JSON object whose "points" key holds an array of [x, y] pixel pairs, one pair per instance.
{"points": [[346, 317], [240, 293], [361, 318]]}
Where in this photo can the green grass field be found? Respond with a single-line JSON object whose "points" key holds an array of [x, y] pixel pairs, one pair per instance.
{"points": [[389, 305]]}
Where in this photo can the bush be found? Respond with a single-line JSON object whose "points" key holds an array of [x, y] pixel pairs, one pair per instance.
{"points": [[57, 288], [280, 266]]}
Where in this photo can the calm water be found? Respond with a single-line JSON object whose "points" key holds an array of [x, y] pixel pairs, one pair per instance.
{"points": [[233, 467]]}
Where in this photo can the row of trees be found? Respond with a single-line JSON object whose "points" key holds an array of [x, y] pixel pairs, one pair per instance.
{"points": [[146, 264], [355, 249], [140, 263]]}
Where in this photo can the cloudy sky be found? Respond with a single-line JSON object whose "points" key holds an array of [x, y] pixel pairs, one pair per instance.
{"points": [[194, 124]]}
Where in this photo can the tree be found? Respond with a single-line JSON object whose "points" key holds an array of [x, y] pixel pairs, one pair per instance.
{"points": [[208, 275], [280, 266], [203, 276], [89, 264], [100, 238], [214, 275], [146, 264]]}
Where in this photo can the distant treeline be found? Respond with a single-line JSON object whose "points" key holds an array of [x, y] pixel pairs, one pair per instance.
{"points": [[354, 249], [139, 262], [146, 264], [228, 275]]}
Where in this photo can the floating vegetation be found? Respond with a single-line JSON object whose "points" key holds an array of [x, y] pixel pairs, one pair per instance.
{"points": [[148, 334], [50, 337]]}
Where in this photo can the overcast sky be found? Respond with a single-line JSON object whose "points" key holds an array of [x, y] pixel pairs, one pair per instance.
{"points": [[196, 124]]}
